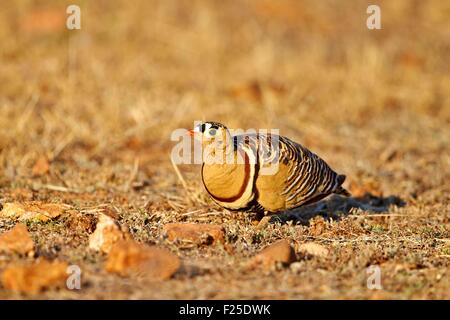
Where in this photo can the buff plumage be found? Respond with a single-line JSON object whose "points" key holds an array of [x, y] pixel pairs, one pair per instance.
{"points": [[296, 177]]}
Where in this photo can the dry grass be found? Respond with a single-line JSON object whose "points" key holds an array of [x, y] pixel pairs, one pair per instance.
{"points": [[100, 104]]}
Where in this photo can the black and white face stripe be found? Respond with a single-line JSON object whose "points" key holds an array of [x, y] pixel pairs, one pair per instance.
{"points": [[201, 128], [209, 129]]}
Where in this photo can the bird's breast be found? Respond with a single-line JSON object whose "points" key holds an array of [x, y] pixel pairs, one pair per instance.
{"points": [[231, 185]]}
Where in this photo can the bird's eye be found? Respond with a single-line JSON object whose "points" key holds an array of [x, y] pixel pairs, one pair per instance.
{"points": [[212, 132]]}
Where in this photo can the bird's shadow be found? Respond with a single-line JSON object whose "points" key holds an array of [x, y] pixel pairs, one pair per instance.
{"points": [[337, 207]]}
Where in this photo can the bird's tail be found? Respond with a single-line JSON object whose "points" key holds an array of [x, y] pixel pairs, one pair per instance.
{"points": [[339, 189]]}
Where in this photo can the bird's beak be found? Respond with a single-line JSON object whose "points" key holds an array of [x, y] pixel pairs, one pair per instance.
{"points": [[191, 133]]}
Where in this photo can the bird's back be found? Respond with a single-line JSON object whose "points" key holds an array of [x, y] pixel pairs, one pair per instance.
{"points": [[296, 176], [277, 174]]}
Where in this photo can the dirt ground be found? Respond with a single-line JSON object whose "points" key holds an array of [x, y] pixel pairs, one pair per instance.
{"points": [[98, 105]]}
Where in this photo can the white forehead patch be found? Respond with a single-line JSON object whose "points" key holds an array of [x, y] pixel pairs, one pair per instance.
{"points": [[198, 128]]}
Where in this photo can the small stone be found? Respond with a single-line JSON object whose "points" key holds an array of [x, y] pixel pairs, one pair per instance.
{"points": [[36, 211], [197, 233], [278, 252], [106, 234], [313, 249], [17, 240], [41, 167], [36, 277], [129, 258]]}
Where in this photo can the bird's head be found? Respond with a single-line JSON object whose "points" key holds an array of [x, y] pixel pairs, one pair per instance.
{"points": [[210, 132]]}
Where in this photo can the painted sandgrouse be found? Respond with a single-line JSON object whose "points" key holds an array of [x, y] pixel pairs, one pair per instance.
{"points": [[262, 172]]}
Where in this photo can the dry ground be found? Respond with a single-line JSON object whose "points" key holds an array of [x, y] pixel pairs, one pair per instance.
{"points": [[100, 104]]}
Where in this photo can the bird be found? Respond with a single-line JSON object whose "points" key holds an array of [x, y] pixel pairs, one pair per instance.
{"points": [[261, 172]]}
